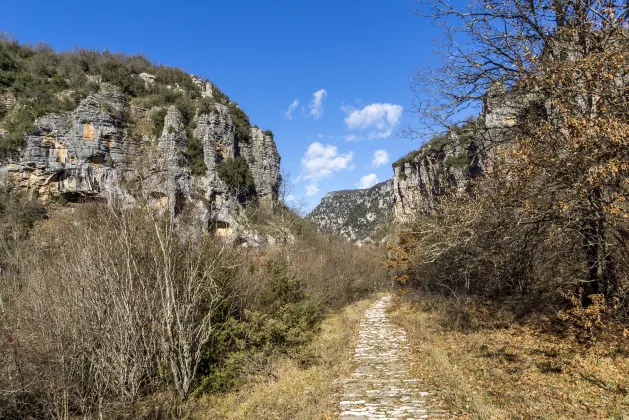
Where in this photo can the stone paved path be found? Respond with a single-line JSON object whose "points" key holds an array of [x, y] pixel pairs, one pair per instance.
{"points": [[381, 387]]}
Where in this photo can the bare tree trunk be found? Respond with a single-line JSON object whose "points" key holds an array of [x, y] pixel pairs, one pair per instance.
{"points": [[601, 273]]}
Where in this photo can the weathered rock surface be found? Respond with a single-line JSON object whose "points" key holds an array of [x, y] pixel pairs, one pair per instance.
{"points": [[441, 167], [449, 163], [90, 153], [362, 216]]}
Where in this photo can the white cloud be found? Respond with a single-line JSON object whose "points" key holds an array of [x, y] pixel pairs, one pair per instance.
{"points": [[368, 181], [380, 134], [380, 157], [351, 137], [321, 161], [290, 197], [380, 118], [316, 108], [291, 108], [312, 189]]}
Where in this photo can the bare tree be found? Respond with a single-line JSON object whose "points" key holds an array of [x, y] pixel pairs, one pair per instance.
{"points": [[189, 295], [558, 70], [491, 42]]}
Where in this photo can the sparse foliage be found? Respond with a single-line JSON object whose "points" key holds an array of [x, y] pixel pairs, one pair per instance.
{"points": [[549, 216]]}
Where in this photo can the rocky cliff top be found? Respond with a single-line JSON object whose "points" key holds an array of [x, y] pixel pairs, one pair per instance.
{"points": [[362, 216], [85, 124], [445, 164]]}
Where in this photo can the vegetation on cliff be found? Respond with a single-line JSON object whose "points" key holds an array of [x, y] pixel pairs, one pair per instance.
{"points": [[237, 175], [37, 81], [439, 146]]}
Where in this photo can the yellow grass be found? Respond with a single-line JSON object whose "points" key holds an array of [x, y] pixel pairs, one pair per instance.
{"points": [[293, 392], [517, 371]]}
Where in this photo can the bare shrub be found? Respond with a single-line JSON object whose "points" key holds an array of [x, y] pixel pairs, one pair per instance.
{"points": [[114, 306]]}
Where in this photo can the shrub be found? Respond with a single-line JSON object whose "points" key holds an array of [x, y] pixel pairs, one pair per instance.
{"points": [[206, 106], [219, 96], [196, 157], [19, 123], [172, 76], [12, 55], [157, 117], [241, 123], [286, 323], [114, 71], [237, 175], [461, 160]]}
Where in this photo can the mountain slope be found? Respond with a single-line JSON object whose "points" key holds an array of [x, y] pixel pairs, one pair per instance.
{"points": [[361, 216]]}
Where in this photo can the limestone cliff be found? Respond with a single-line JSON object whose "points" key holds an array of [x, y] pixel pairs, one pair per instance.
{"points": [[132, 147], [450, 162], [445, 164], [362, 216]]}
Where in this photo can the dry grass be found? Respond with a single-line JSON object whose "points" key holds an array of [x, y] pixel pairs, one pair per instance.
{"points": [[513, 370], [292, 391]]}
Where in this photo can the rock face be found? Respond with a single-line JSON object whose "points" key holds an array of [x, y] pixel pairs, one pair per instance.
{"points": [[439, 168], [362, 216], [91, 153], [449, 163], [74, 153]]}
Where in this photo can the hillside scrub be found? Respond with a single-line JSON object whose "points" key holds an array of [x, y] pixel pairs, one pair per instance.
{"points": [[302, 387], [548, 220], [105, 307]]}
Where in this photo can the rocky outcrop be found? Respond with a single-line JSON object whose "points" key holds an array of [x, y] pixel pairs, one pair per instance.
{"points": [[444, 165], [73, 153], [448, 164], [264, 162], [7, 100], [361, 216], [94, 153]]}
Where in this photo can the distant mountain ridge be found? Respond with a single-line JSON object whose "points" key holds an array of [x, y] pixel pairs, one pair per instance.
{"points": [[361, 216]]}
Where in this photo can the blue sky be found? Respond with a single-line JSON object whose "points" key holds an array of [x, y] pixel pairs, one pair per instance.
{"points": [[345, 65]]}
